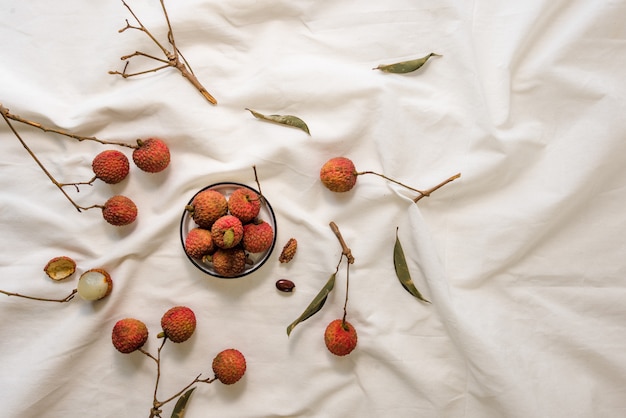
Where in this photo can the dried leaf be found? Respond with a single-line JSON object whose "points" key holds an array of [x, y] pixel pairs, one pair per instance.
{"points": [[405, 66], [402, 271], [288, 120], [181, 404], [316, 304]]}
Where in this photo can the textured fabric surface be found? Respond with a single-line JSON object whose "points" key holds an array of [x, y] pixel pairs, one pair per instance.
{"points": [[522, 257]]}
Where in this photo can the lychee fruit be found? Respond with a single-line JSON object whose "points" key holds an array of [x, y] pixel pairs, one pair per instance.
{"points": [[199, 243], [227, 231], [340, 337], [129, 334], [258, 236], [119, 210], [229, 366], [94, 284], [178, 323], [59, 268], [338, 174], [245, 204], [207, 207], [111, 166], [289, 250], [229, 262], [152, 155]]}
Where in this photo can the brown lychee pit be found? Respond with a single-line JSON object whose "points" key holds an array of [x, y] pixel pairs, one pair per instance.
{"points": [[60, 268]]}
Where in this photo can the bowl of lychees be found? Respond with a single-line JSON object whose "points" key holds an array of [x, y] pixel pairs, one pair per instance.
{"points": [[228, 230]]}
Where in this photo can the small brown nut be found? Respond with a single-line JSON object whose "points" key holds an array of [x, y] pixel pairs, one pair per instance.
{"points": [[60, 268], [285, 285]]}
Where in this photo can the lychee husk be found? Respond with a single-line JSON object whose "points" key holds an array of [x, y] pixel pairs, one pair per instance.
{"points": [[245, 204], [207, 207], [227, 231], [257, 236], [59, 268], [289, 251], [119, 211], [152, 155], [338, 174], [129, 335], [199, 243], [228, 262], [340, 337], [229, 366], [94, 284], [111, 166], [178, 324]]}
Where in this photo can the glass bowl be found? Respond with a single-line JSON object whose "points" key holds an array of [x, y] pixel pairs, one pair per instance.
{"points": [[255, 260]]}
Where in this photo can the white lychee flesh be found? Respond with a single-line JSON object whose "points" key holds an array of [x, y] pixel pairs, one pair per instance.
{"points": [[94, 285]]}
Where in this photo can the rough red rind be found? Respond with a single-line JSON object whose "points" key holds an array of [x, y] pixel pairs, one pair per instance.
{"points": [[152, 156], [119, 210], [111, 166], [207, 207], [289, 250], [178, 323], [257, 237], [129, 334], [229, 262], [338, 174], [59, 268], [244, 204], [339, 340], [229, 366], [199, 243], [227, 231]]}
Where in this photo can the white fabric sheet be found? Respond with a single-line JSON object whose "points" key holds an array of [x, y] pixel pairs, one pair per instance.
{"points": [[522, 257]]}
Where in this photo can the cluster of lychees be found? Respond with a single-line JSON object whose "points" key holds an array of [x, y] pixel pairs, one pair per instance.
{"points": [[178, 324], [227, 229]]}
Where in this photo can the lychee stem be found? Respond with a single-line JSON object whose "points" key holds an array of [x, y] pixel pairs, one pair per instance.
{"points": [[172, 59], [65, 299], [432, 189], [348, 254], [258, 184], [422, 193], [345, 249]]}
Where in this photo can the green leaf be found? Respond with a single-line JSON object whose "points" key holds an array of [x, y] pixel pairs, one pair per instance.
{"points": [[405, 66], [288, 120], [402, 270], [181, 404], [316, 304]]}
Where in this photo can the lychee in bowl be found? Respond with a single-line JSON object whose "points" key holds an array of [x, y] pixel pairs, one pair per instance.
{"points": [[255, 260]]}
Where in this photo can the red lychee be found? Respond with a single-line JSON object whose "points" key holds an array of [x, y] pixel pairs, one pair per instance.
{"points": [[129, 334], [207, 207], [340, 337], [258, 236], [338, 174], [199, 243], [152, 155], [227, 231], [289, 250], [119, 210], [111, 166], [229, 262], [229, 366], [245, 204], [178, 323]]}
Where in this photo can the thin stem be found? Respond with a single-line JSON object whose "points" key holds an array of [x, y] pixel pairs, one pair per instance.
{"points": [[432, 189], [65, 299], [345, 304], [390, 179], [258, 184], [345, 249]]}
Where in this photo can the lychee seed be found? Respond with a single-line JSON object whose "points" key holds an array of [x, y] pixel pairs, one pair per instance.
{"points": [[94, 284]]}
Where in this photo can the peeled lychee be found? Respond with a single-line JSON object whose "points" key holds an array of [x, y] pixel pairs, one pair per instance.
{"points": [[129, 334], [227, 231], [60, 268], [229, 366], [119, 210], [152, 155], [207, 207], [229, 262], [245, 204], [338, 174], [289, 250], [178, 323], [340, 337], [111, 166], [258, 236], [199, 243], [94, 284]]}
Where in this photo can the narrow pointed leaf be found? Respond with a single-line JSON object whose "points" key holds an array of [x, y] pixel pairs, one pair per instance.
{"points": [[181, 404], [402, 271], [288, 120], [405, 66], [316, 304]]}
